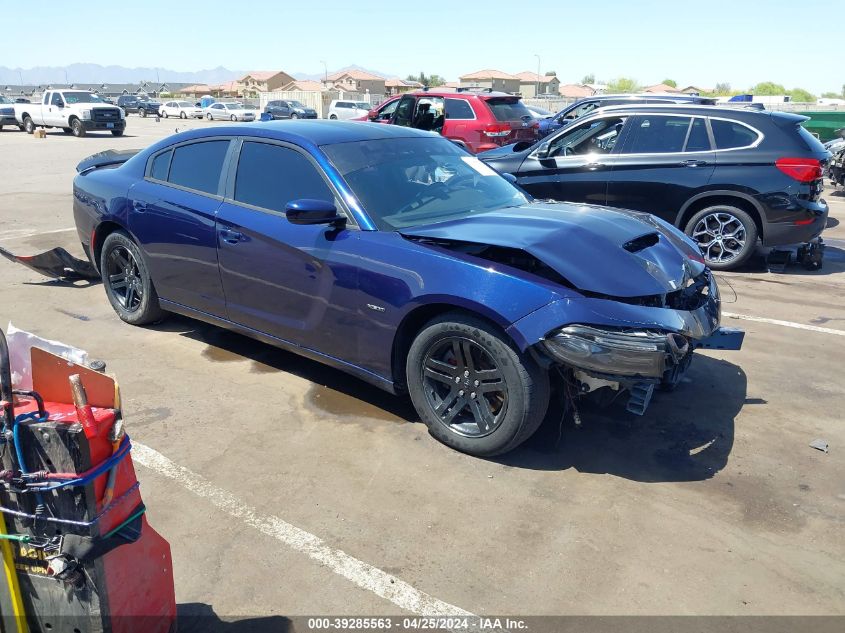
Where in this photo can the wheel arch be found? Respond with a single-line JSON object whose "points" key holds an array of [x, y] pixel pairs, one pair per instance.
{"points": [[414, 321], [99, 235], [706, 199]]}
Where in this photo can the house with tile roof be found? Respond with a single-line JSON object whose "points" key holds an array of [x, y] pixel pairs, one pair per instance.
{"points": [[398, 86], [492, 79], [529, 82], [355, 80], [303, 85], [662, 89], [258, 81], [575, 91]]}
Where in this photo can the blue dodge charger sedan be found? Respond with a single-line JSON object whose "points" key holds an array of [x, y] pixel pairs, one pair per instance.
{"points": [[395, 255]]}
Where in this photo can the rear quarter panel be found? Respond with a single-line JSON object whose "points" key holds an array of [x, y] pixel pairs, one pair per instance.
{"points": [[100, 196]]}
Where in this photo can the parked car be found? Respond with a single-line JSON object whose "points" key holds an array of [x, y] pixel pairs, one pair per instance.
{"points": [[22, 100], [289, 109], [477, 121], [76, 112], [345, 110], [390, 253], [228, 111], [728, 177], [7, 113], [539, 113], [142, 105], [182, 109], [586, 105]]}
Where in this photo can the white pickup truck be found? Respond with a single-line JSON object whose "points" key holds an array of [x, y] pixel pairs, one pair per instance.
{"points": [[77, 112]]}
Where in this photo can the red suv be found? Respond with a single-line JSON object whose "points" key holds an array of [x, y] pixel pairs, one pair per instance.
{"points": [[477, 120]]}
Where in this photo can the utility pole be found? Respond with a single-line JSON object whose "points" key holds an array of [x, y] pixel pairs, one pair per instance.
{"points": [[325, 72], [537, 89]]}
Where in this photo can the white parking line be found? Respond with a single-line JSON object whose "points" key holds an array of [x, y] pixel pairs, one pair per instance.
{"points": [[356, 571], [797, 326], [20, 234]]}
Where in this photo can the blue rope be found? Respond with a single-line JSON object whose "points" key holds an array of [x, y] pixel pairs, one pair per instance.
{"points": [[111, 462]]}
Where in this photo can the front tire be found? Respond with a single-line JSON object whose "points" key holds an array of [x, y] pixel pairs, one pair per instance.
{"points": [[726, 235], [76, 128], [182, 115], [474, 390], [233, 118], [165, 115], [117, 132], [127, 281], [209, 117], [143, 113], [294, 116], [333, 117]]}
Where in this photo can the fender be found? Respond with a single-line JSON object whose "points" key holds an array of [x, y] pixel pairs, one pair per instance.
{"points": [[715, 193]]}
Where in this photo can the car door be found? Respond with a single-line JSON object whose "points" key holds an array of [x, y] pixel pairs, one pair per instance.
{"points": [[385, 112], [54, 111], [293, 282], [218, 111], [172, 216], [574, 165], [404, 112], [665, 160]]}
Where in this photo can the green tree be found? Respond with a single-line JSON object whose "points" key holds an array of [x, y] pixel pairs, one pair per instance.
{"points": [[551, 72], [768, 88], [802, 96], [589, 79], [623, 84], [430, 81], [671, 82], [722, 88]]}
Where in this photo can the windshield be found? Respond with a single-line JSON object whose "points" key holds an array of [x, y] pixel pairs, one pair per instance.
{"points": [[295, 104], [407, 182], [185, 104], [82, 97], [234, 106], [4, 99]]}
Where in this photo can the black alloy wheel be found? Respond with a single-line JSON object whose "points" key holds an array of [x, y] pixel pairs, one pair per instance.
{"points": [[127, 281]]}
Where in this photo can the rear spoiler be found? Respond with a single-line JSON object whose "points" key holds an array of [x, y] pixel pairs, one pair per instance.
{"points": [[108, 158]]}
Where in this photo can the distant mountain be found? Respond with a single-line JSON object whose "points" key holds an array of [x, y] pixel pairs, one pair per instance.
{"points": [[95, 73], [319, 76]]}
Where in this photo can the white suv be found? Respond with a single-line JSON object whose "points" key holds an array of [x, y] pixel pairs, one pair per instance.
{"points": [[348, 109]]}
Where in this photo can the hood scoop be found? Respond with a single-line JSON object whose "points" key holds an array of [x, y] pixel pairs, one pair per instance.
{"points": [[642, 242]]}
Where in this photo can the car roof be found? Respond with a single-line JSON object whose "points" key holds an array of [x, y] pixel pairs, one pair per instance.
{"points": [[463, 93], [306, 132], [704, 110]]}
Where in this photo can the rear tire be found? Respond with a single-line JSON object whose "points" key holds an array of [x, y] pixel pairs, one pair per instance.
{"points": [[209, 117], [125, 277], [182, 115], [726, 235], [333, 117], [474, 390], [117, 132], [143, 113], [233, 118], [28, 125], [165, 115]]}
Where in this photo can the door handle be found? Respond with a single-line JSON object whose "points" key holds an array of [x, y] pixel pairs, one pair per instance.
{"points": [[693, 163], [139, 206], [231, 237]]}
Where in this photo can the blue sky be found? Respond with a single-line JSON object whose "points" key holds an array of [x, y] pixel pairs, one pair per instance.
{"points": [[701, 43]]}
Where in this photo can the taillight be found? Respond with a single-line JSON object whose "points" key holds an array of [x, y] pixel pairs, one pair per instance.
{"points": [[497, 129], [801, 169]]}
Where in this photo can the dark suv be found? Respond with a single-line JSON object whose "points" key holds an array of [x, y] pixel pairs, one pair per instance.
{"points": [[727, 177], [588, 104], [289, 109], [141, 105]]}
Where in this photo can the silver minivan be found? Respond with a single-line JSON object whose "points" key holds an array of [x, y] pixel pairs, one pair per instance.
{"points": [[343, 110]]}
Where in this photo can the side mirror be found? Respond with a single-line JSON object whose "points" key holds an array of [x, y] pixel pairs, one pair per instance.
{"points": [[542, 150], [510, 178], [309, 211], [372, 115]]}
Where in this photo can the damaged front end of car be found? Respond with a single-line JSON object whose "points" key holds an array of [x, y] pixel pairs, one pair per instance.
{"points": [[655, 354]]}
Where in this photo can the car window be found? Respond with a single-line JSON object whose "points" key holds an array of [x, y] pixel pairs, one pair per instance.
{"points": [[459, 109], [270, 176], [198, 165], [598, 136], [388, 110], [651, 134], [507, 109], [57, 99], [698, 140], [730, 134], [161, 166], [404, 111], [581, 110]]}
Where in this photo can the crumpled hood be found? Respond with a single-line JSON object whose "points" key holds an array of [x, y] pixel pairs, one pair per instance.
{"points": [[601, 250]]}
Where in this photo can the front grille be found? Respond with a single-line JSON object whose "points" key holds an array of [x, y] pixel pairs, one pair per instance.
{"points": [[105, 114]]}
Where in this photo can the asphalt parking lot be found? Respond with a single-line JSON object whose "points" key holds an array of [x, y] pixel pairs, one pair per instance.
{"points": [[288, 488]]}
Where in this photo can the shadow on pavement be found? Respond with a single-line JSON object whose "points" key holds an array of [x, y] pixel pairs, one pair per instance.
{"points": [[197, 617], [685, 435]]}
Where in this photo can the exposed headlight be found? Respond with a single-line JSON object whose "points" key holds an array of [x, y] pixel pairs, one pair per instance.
{"points": [[629, 353], [86, 115]]}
